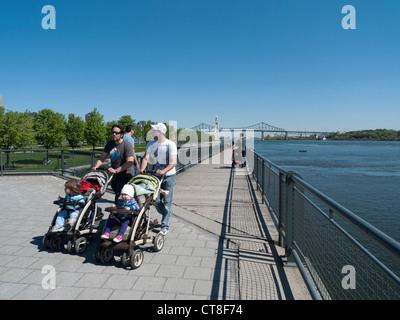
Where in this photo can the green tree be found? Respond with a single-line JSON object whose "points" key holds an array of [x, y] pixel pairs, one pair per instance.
{"points": [[26, 131], [49, 128], [74, 130], [109, 125], [126, 120], [377, 135], [143, 130], [95, 129], [16, 130]]}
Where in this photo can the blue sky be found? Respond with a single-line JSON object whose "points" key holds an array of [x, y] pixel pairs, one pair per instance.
{"points": [[286, 63]]}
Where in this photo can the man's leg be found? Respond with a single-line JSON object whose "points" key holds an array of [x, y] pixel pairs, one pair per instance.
{"points": [[164, 203]]}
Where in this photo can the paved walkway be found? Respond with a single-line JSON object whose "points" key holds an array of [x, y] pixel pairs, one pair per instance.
{"points": [[225, 201], [220, 246]]}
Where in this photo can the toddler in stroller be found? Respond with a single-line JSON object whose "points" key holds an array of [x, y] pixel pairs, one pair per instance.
{"points": [[138, 228], [84, 213], [73, 206], [126, 202]]}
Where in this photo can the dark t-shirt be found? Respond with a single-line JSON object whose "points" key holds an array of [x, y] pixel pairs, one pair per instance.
{"points": [[118, 154]]}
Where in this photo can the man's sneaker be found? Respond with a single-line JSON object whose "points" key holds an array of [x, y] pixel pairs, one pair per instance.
{"points": [[105, 235], [118, 239], [164, 231]]}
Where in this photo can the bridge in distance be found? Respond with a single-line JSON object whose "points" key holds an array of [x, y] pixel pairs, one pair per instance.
{"points": [[260, 127]]}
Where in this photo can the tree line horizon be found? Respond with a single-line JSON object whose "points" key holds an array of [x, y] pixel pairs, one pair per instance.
{"points": [[50, 129]]}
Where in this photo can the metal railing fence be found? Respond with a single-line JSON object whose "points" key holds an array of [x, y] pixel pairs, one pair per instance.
{"points": [[46, 161], [79, 162], [327, 241]]}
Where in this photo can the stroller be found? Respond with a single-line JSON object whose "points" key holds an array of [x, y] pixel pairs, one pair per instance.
{"points": [[93, 186], [146, 188]]}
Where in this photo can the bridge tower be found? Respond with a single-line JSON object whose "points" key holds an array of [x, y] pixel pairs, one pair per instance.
{"points": [[216, 128]]}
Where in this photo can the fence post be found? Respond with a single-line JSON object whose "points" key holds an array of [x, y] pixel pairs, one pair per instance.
{"points": [[281, 213], [1, 162], [289, 259], [263, 180], [92, 160], [62, 163]]}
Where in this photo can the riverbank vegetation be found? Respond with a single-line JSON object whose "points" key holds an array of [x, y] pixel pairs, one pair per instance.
{"points": [[363, 135], [374, 135]]}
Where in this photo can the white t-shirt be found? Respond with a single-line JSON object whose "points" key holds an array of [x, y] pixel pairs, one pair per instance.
{"points": [[158, 154]]}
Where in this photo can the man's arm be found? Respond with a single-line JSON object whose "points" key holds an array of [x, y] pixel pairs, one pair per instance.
{"points": [[172, 164], [135, 161], [125, 166], [145, 160], [101, 159]]}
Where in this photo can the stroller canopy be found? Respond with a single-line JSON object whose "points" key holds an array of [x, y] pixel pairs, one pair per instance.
{"points": [[99, 178], [145, 184]]}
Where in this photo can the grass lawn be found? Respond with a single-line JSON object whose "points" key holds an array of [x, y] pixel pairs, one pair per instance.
{"points": [[37, 159]]}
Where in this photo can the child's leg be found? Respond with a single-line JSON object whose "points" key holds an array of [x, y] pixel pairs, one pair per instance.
{"points": [[73, 216], [110, 224], [124, 226], [61, 218]]}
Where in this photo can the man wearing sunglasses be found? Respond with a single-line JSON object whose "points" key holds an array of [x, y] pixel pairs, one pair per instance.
{"points": [[121, 155]]}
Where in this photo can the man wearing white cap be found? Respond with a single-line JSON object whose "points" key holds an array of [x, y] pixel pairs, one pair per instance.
{"points": [[162, 154]]}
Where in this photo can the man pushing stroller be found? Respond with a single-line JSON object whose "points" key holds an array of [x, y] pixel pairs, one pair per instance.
{"points": [[162, 153]]}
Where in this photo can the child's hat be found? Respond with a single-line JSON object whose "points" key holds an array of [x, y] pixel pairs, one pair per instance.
{"points": [[129, 190]]}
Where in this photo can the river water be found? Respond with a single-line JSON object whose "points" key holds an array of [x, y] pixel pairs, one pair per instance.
{"points": [[363, 176]]}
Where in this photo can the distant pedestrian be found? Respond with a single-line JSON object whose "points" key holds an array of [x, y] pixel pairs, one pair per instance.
{"points": [[128, 136], [241, 146]]}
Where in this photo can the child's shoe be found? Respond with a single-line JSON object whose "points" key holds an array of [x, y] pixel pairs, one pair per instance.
{"points": [[69, 225], [105, 235], [118, 238], [57, 228]]}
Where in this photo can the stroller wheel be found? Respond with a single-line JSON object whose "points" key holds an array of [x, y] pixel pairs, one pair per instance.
{"points": [[80, 245], [46, 241], [106, 255], [158, 242], [55, 242], [137, 258], [126, 262], [70, 247], [97, 254]]}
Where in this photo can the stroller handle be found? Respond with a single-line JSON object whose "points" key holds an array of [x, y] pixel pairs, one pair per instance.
{"points": [[153, 172], [120, 210], [63, 202], [149, 172]]}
